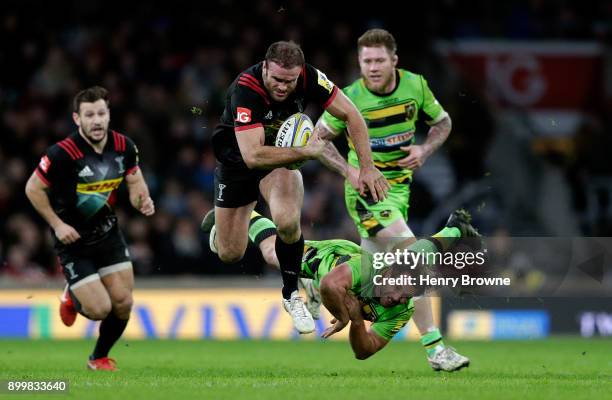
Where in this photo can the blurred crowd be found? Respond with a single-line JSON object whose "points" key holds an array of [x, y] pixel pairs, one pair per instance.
{"points": [[167, 69]]}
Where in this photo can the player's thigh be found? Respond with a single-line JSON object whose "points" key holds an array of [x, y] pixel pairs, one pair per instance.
{"points": [[92, 296], [283, 190], [383, 218], [118, 279], [236, 188], [232, 225], [84, 282], [236, 193]]}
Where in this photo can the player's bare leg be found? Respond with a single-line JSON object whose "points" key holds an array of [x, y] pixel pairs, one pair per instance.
{"points": [[92, 300], [231, 232], [313, 302], [267, 251], [284, 192], [118, 282]]}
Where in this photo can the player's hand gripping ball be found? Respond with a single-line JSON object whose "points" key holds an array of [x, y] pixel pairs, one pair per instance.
{"points": [[295, 132]]}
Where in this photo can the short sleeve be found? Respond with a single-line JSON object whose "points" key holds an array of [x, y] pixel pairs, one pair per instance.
{"points": [[132, 159], [333, 124], [53, 165], [430, 106], [248, 106], [319, 88]]}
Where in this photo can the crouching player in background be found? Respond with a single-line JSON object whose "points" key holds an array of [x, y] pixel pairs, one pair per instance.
{"points": [[335, 266], [73, 190]]}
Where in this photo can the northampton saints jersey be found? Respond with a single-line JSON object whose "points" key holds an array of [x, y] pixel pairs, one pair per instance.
{"points": [[248, 105], [320, 257], [391, 120], [82, 183]]}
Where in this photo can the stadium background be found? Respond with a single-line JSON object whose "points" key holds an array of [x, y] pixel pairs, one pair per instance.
{"points": [[528, 85]]}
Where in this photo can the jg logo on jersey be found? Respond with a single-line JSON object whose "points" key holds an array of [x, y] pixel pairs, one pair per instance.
{"points": [[243, 115]]}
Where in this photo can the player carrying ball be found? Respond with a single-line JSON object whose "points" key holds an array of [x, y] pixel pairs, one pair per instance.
{"points": [[257, 103]]}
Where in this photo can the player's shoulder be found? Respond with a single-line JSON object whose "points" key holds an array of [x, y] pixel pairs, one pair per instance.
{"points": [[65, 149], [412, 82], [120, 141], [249, 85], [355, 89], [406, 75]]}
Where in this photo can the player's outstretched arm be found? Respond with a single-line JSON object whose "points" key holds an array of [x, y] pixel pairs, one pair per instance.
{"points": [[257, 155], [370, 178], [333, 289], [331, 157], [36, 191], [364, 342], [139, 193]]}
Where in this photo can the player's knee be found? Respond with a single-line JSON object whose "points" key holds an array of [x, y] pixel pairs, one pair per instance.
{"points": [[122, 306], [97, 311], [230, 256], [289, 229]]}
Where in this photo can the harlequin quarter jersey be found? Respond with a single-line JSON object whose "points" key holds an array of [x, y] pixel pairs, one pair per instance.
{"points": [[391, 120], [82, 183], [248, 105]]}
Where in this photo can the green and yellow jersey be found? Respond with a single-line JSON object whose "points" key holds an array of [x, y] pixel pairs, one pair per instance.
{"points": [[390, 119], [320, 257]]}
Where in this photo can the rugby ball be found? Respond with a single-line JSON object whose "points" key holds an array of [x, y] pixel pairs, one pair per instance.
{"points": [[295, 131]]}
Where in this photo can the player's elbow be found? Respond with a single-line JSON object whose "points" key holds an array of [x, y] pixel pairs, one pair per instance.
{"points": [[362, 355], [328, 287], [250, 159]]}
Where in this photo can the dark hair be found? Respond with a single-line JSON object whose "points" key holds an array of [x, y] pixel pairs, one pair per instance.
{"points": [[89, 95], [285, 54], [377, 38]]}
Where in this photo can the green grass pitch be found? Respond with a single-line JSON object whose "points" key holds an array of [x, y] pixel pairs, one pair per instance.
{"points": [[558, 368]]}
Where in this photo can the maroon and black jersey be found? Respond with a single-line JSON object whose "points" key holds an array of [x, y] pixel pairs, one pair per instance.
{"points": [[248, 105], [82, 183]]}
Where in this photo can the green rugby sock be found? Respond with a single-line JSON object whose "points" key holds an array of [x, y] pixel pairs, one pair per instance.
{"points": [[260, 228], [447, 237], [431, 342]]}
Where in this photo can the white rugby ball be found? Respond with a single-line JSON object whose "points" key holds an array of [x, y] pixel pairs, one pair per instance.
{"points": [[295, 131]]}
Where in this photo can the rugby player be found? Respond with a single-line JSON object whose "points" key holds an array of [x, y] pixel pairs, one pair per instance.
{"points": [[336, 267], [391, 100], [73, 189], [257, 102]]}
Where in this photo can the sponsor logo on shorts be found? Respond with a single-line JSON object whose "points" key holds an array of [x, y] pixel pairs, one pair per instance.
{"points": [[220, 195], [70, 268], [385, 213], [366, 216], [243, 115]]}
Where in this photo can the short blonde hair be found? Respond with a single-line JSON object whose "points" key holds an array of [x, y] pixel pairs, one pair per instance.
{"points": [[377, 38]]}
